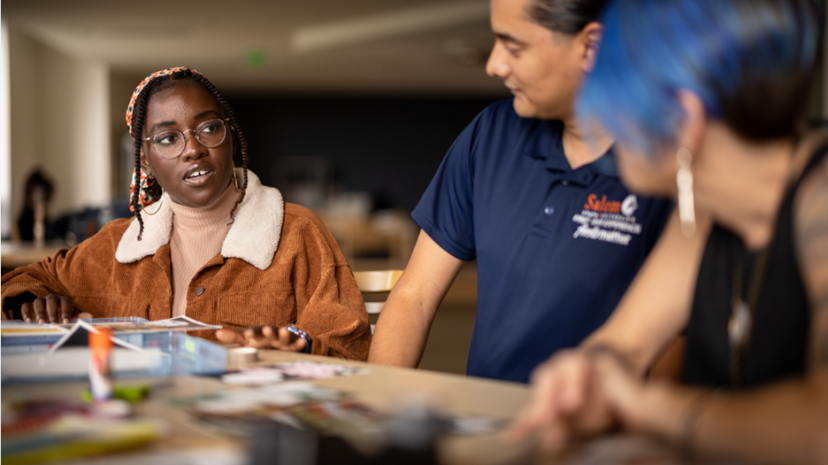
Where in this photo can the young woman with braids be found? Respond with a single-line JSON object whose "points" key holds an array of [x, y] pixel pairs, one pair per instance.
{"points": [[208, 240]]}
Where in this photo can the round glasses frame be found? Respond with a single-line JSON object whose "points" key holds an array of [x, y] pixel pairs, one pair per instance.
{"points": [[195, 132]]}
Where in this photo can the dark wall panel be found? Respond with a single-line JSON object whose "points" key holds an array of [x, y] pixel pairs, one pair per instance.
{"points": [[387, 146]]}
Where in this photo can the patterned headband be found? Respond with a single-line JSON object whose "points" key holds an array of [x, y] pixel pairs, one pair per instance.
{"points": [[143, 84]]}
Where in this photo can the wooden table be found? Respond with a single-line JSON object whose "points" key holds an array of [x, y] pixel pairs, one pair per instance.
{"points": [[382, 388], [25, 253]]}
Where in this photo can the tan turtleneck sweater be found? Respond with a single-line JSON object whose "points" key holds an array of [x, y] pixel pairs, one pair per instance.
{"points": [[197, 236]]}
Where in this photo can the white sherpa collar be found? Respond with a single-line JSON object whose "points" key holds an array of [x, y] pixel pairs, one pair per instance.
{"points": [[253, 237]]}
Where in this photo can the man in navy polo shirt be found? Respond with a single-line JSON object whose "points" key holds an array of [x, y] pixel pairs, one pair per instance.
{"points": [[538, 203]]}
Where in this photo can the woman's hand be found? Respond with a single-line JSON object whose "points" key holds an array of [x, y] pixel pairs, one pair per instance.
{"points": [[580, 393], [263, 337], [566, 402], [53, 308], [654, 408]]}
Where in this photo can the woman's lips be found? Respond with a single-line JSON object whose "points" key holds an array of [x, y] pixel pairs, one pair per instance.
{"points": [[200, 177]]}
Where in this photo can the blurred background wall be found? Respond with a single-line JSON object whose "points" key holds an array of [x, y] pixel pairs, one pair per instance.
{"points": [[59, 107], [357, 97]]}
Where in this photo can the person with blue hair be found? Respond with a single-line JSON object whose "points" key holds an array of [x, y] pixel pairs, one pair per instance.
{"points": [[707, 101]]}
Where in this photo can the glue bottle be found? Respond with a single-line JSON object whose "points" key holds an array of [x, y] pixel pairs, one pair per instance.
{"points": [[100, 351]]}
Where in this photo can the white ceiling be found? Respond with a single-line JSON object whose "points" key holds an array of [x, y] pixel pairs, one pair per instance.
{"points": [[374, 46]]}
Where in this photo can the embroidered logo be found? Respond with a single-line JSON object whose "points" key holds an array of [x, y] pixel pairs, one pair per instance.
{"points": [[608, 220], [629, 205]]}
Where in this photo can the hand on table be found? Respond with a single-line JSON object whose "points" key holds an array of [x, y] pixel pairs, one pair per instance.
{"points": [[654, 407], [567, 401], [263, 337], [53, 308]]}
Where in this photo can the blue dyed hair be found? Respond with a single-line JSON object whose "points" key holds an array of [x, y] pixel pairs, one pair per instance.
{"points": [[749, 61]]}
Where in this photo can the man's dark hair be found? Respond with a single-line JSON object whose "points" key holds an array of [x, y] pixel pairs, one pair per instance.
{"points": [[567, 16]]}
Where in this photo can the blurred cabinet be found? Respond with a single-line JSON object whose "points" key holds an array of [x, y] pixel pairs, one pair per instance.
{"points": [[379, 240]]}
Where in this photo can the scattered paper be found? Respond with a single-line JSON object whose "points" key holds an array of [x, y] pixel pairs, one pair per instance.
{"points": [[253, 377], [317, 370]]}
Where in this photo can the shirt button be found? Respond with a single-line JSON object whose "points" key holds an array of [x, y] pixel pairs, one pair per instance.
{"points": [[200, 290], [565, 183], [549, 210]]}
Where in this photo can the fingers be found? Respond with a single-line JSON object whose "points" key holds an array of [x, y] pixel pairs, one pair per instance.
{"points": [[39, 307], [264, 337], [260, 337], [285, 338], [27, 312], [53, 308], [50, 309], [66, 309], [229, 336], [543, 391], [554, 437], [542, 410], [298, 345], [276, 338], [561, 392], [573, 392], [621, 389]]}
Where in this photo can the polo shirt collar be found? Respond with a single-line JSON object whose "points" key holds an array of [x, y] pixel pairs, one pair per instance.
{"points": [[548, 145]]}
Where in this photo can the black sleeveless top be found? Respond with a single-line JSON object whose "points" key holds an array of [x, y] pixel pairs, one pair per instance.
{"points": [[781, 322]]}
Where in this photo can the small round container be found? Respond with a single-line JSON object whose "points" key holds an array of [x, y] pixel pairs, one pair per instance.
{"points": [[242, 356]]}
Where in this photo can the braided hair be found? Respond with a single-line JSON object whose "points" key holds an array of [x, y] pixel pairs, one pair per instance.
{"points": [[137, 113]]}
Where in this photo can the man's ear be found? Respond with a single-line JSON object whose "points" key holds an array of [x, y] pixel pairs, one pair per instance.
{"points": [[691, 132], [590, 36]]}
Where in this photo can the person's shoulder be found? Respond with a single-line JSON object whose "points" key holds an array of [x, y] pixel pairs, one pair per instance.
{"points": [[810, 208], [302, 217], [498, 127], [296, 211], [302, 226], [814, 187], [504, 107], [810, 216], [502, 112]]}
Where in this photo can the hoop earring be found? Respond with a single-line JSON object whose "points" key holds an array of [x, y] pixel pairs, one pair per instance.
{"points": [[684, 182], [235, 181], [160, 204]]}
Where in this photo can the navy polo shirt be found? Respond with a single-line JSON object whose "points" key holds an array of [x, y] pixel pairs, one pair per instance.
{"points": [[556, 248]]}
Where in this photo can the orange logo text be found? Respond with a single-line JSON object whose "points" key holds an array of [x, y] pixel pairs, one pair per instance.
{"points": [[602, 205]]}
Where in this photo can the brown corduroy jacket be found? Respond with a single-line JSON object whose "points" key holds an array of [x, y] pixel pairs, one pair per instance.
{"points": [[278, 265]]}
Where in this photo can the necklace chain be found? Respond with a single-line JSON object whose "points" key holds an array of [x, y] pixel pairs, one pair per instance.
{"points": [[740, 325]]}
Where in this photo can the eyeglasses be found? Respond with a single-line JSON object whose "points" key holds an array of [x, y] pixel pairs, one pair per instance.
{"points": [[170, 142]]}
